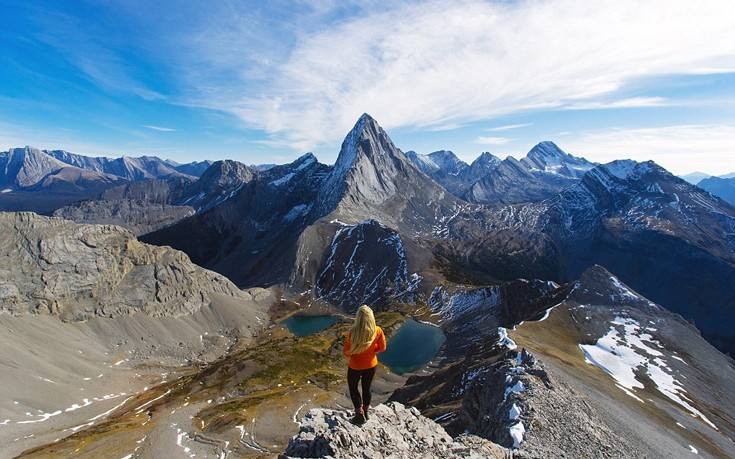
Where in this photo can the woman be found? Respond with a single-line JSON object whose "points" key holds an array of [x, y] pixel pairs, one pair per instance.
{"points": [[363, 342]]}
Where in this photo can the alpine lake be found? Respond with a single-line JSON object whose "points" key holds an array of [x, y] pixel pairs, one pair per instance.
{"points": [[410, 348]]}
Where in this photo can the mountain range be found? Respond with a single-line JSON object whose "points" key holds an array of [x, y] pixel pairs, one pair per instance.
{"points": [[670, 240], [722, 187], [617, 279], [44, 180]]}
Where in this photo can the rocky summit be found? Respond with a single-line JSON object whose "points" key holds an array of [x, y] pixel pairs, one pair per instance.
{"points": [[393, 431]]}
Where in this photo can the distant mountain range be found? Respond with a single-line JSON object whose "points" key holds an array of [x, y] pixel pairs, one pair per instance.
{"points": [[721, 187], [43, 180], [695, 177]]}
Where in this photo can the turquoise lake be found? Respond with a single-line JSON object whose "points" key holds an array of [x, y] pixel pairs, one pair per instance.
{"points": [[303, 325], [412, 347]]}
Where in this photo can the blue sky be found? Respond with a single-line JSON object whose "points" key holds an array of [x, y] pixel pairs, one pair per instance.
{"points": [[264, 82]]}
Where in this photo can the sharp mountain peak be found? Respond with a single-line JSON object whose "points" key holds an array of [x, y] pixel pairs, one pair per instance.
{"points": [[372, 173]]}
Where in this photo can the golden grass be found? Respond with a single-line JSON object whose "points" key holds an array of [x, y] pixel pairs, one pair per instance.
{"points": [[272, 375]]}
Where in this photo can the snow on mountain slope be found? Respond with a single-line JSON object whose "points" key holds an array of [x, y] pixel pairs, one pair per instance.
{"points": [[628, 349], [423, 162], [366, 265], [644, 196], [547, 157], [448, 162], [545, 171]]}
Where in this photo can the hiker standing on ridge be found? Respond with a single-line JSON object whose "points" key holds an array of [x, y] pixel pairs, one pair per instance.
{"points": [[363, 342]]}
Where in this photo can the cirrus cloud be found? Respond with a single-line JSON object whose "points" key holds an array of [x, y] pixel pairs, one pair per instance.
{"points": [[680, 149], [432, 66]]}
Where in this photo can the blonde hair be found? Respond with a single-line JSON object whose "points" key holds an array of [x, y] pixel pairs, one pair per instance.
{"points": [[363, 331]]}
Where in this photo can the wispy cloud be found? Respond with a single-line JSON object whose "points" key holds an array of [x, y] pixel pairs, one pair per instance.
{"points": [[160, 129], [508, 127], [98, 57], [634, 102], [680, 149], [425, 66], [492, 140]]}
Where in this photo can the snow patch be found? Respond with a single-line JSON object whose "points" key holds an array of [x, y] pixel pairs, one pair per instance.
{"points": [[622, 355], [625, 291], [516, 432], [454, 305], [504, 340], [297, 211], [283, 179], [517, 388]]}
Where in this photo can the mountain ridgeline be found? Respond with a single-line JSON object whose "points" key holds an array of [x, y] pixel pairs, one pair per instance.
{"points": [[549, 215], [580, 302], [668, 239], [45, 180]]}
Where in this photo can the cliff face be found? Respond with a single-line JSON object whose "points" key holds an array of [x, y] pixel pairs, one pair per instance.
{"points": [[393, 431], [78, 272]]}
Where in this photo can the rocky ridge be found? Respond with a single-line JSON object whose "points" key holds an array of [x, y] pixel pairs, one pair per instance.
{"points": [[249, 235], [516, 403], [140, 217], [393, 431], [77, 272], [366, 265], [24, 167], [544, 172]]}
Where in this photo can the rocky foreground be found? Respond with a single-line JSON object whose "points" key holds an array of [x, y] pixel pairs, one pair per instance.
{"points": [[393, 431]]}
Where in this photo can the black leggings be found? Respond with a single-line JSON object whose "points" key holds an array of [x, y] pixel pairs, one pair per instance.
{"points": [[353, 377]]}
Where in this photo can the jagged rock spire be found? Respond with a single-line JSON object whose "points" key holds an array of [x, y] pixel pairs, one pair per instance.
{"points": [[366, 165]]}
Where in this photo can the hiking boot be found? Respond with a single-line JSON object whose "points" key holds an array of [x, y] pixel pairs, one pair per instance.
{"points": [[365, 410], [358, 419]]}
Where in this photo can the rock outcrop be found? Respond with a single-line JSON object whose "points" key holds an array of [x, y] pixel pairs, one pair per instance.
{"points": [[138, 216], [393, 431], [77, 272], [518, 404]]}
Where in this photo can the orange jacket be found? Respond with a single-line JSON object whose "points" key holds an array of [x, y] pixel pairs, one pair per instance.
{"points": [[367, 358]]}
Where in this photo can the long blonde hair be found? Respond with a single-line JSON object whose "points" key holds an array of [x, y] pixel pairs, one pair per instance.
{"points": [[363, 331]]}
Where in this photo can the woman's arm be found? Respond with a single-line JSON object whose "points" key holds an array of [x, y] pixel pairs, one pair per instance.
{"points": [[380, 344], [346, 347]]}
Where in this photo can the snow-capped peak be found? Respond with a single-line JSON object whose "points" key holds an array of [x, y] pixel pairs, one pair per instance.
{"points": [[547, 157], [547, 149], [622, 169], [447, 161]]}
